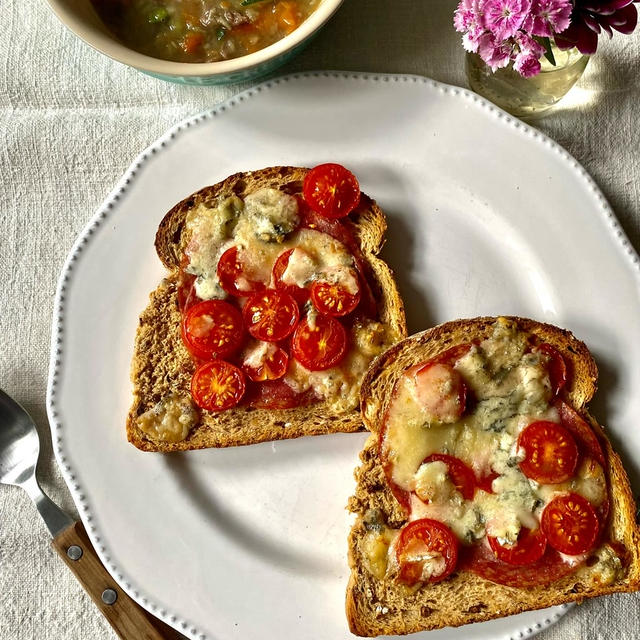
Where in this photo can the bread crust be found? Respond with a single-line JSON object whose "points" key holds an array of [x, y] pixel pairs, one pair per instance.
{"points": [[377, 607], [161, 364]]}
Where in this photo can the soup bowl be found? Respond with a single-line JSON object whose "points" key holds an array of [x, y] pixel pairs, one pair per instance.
{"points": [[81, 18]]}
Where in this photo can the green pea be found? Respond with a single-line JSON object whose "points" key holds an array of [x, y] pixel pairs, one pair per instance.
{"points": [[158, 15]]}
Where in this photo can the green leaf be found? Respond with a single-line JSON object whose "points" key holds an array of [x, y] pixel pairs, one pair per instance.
{"points": [[246, 3], [220, 33], [548, 54]]}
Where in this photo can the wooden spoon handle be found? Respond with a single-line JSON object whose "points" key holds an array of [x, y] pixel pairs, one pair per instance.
{"points": [[128, 619]]}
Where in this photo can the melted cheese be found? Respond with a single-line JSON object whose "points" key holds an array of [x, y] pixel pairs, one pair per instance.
{"points": [[432, 483], [375, 547], [170, 420], [512, 389], [257, 352], [271, 213], [434, 563], [261, 227], [300, 269], [463, 517], [342, 275], [608, 568], [589, 482], [209, 229]]}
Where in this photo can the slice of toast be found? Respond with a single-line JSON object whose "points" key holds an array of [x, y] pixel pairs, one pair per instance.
{"points": [[382, 606], [162, 366]]}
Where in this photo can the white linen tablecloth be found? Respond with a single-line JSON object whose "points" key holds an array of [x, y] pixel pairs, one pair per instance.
{"points": [[71, 121]]}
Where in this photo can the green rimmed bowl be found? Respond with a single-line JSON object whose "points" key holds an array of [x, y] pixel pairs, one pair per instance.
{"points": [[80, 17]]}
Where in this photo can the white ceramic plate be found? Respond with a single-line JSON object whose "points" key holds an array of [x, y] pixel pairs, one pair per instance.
{"points": [[486, 216]]}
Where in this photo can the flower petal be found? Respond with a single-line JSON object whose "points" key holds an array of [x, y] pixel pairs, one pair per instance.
{"points": [[625, 20], [591, 22], [605, 27], [580, 36]]}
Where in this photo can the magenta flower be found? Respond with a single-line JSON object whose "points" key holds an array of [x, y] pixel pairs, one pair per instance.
{"points": [[468, 20], [520, 31], [504, 17], [466, 15], [527, 65], [528, 45], [548, 17], [496, 53]]}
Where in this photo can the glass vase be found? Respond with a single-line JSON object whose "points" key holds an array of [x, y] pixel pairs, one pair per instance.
{"points": [[527, 97]]}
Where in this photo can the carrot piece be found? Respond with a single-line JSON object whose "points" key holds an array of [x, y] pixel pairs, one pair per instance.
{"points": [[191, 42], [287, 16]]}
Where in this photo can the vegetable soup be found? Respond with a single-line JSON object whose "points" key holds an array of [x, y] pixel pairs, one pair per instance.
{"points": [[202, 30]]}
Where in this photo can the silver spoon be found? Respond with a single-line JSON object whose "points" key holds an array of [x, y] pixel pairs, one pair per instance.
{"points": [[19, 450]]}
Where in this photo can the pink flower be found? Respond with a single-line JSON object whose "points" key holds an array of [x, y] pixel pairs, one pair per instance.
{"points": [[496, 53], [527, 65], [508, 31], [470, 42], [548, 17], [468, 15], [529, 45], [464, 15], [468, 20], [504, 17]]}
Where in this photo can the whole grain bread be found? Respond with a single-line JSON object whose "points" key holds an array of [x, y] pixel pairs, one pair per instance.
{"points": [[382, 607], [161, 364]]}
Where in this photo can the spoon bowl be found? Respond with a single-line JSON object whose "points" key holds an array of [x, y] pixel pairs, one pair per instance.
{"points": [[19, 443], [19, 450]]}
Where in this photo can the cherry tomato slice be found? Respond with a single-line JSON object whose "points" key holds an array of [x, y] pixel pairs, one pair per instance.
{"points": [[570, 524], [460, 474], [551, 452], [320, 345], [271, 315], [300, 294], [332, 299], [233, 275], [265, 361], [331, 190], [529, 548], [557, 367], [440, 391], [217, 385], [212, 328], [427, 551]]}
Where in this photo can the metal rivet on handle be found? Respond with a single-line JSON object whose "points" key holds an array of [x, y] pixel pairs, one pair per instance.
{"points": [[74, 552], [109, 596]]}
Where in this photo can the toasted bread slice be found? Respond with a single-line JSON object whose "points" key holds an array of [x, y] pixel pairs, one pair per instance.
{"points": [[381, 606], [162, 366]]}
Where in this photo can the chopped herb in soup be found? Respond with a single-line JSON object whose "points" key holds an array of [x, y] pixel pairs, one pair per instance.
{"points": [[202, 30]]}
